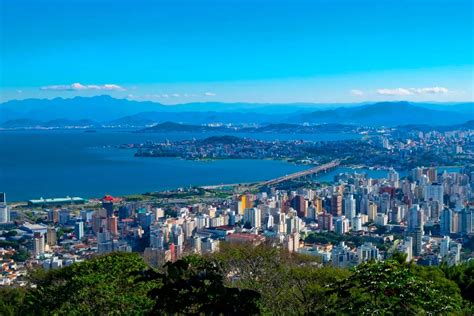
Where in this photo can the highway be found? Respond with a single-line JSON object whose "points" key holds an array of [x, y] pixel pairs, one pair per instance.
{"points": [[288, 177]]}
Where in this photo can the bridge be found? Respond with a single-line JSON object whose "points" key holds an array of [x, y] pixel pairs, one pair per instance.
{"points": [[302, 174], [293, 176]]}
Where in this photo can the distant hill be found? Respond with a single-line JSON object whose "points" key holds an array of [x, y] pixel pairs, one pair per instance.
{"points": [[57, 123], [387, 114], [175, 127], [282, 128], [99, 108], [469, 125], [128, 113]]}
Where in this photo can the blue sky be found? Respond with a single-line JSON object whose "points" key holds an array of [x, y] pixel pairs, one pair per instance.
{"points": [[228, 50]]}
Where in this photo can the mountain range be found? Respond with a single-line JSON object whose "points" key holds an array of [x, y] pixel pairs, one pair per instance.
{"points": [[111, 112]]}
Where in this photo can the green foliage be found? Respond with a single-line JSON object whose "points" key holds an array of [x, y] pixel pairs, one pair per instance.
{"points": [[244, 280], [264, 269], [11, 300], [193, 285], [333, 238], [136, 197], [463, 276], [391, 288], [102, 285], [21, 255], [310, 292]]}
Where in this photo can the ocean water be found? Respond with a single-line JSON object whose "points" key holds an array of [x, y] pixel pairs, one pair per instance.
{"points": [[57, 163]]}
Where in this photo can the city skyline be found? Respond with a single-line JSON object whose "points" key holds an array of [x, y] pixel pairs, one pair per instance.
{"points": [[238, 51]]}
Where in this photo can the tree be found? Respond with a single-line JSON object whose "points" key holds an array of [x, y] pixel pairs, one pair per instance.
{"points": [[264, 269], [391, 288], [463, 276], [102, 285], [310, 288], [11, 301], [193, 285]]}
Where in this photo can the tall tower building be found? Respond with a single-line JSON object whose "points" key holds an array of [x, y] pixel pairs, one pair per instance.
{"points": [[349, 207], [318, 205], [372, 211], [433, 192], [415, 218], [417, 241], [253, 216], [4, 209], [466, 221], [79, 229], [51, 236], [446, 222], [299, 204], [112, 225], [38, 244], [336, 205]]}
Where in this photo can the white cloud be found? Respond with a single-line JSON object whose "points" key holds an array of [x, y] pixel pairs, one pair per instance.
{"points": [[398, 91], [432, 90], [412, 91], [19, 91], [79, 87], [176, 95], [209, 94], [357, 92]]}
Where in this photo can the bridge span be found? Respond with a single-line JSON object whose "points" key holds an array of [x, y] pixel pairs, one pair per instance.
{"points": [[293, 176], [301, 174]]}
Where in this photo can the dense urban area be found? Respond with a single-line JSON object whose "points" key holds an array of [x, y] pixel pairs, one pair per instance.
{"points": [[424, 218], [402, 148]]}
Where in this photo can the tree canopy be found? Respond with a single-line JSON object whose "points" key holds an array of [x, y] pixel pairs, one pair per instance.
{"points": [[244, 280]]}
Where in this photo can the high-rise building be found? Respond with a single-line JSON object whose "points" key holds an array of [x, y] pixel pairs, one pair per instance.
{"points": [[372, 211], [299, 204], [357, 223], [444, 247], [79, 229], [4, 214], [349, 207], [432, 174], [64, 216], [325, 221], [124, 212], [38, 244], [336, 205], [158, 213], [417, 241], [446, 222], [342, 256], [253, 216], [433, 192], [415, 218], [406, 247], [394, 177], [385, 203], [318, 205], [108, 205], [342, 225], [51, 236], [112, 225], [466, 221], [4, 209], [367, 252]]}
